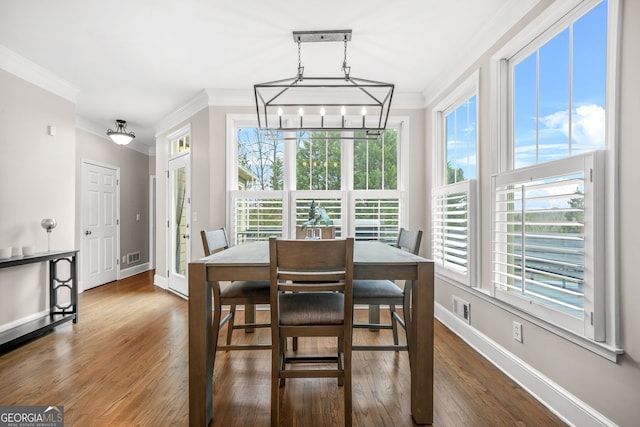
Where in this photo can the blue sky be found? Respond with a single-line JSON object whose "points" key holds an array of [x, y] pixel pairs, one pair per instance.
{"points": [[571, 80], [565, 78]]}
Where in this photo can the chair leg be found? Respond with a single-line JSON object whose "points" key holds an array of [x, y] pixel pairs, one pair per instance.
{"points": [[283, 365], [232, 311], [276, 357], [215, 327], [394, 323], [406, 314], [374, 316], [348, 409], [340, 360]]}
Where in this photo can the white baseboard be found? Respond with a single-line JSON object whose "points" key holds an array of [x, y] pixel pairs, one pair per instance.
{"points": [[160, 282], [23, 320], [559, 401], [132, 271]]}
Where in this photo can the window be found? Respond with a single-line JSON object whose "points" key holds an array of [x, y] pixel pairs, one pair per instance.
{"points": [[454, 203], [180, 144], [318, 161], [376, 163], [260, 161], [559, 93], [460, 141], [548, 199], [356, 181], [258, 202]]}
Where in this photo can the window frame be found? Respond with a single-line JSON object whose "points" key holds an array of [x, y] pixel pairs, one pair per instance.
{"points": [[467, 89], [550, 22]]}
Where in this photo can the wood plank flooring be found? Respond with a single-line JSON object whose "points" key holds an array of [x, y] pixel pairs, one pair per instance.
{"points": [[125, 363]]}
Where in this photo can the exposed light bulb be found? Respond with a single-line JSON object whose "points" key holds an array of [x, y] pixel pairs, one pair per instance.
{"points": [[364, 111], [301, 111], [322, 111]]}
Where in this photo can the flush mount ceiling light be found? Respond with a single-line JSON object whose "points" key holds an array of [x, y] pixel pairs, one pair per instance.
{"points": [[120, 136], [315, 104]]}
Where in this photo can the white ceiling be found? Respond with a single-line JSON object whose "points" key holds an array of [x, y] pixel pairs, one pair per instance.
{"points": [[141, 60]]}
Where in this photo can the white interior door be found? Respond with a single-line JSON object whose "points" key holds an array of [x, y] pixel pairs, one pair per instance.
{"points": [[179, 223], [99, 225]]}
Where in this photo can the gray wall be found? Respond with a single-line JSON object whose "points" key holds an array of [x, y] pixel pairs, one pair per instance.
{"points": [[613, 389], [134, 191], [40, 178], [37, 180]]}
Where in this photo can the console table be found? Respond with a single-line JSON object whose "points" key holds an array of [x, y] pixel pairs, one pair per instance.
{"points": [[58, 313]]}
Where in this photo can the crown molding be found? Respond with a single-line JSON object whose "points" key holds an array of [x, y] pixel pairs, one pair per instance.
{"points": [[200, 101], [37, 75], [230, 97], [91, 127], [407, 100]]}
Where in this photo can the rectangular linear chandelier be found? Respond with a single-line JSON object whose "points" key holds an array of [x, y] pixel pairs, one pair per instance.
{"points": [[304, 105]]}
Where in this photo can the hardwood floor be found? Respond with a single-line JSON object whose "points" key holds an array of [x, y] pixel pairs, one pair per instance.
{"points": [[125, 363]]}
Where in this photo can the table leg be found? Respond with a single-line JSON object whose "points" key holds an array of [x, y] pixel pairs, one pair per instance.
{"points": [[200, 347], [74, 284], [421, 345]]}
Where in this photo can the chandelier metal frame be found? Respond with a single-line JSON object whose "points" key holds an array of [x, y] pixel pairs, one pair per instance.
{"points": [[333, 104]]}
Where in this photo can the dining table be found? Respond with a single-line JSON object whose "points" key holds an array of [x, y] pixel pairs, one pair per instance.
{"points": [[250, 261]]}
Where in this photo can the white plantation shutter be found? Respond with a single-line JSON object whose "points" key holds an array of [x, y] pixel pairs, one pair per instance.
{"points": [[256, 215], [546, 229], [454, 231], [377, 217]]}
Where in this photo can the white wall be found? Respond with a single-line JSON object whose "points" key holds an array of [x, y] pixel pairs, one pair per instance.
{"points": [[37, 180]]}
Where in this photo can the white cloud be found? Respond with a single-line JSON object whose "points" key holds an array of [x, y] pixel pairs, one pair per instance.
{"points": [[589, 125]]}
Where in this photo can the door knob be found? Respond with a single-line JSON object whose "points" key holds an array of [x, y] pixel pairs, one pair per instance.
{"points": [[185, 236], [86, 233]]}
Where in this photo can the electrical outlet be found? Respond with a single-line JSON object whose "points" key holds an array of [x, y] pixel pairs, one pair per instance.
{"points": [[517, 331]]}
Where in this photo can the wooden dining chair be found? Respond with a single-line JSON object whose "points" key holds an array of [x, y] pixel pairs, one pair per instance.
{"points": [[386, 292], [311, 296], [246, 293], [324, 232]]}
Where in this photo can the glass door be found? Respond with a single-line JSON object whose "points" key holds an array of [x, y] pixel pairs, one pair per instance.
{"points": [[179, 223]]}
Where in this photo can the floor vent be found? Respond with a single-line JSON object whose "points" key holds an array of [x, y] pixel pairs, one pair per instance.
{"points": [[462, 309], [133, 257]]}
